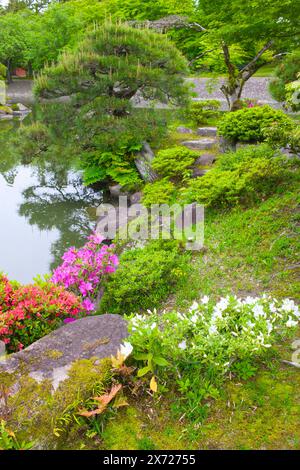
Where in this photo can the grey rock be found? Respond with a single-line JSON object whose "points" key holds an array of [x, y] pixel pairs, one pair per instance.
{"points": [[201, 144], [207, 131], [198, 172], [143, 163], [135, 197], [116, 190], [226, 145], [205, 159], [52, 356], [184, 130]]}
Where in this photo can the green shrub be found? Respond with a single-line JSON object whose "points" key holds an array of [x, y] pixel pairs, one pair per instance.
{"points": [[242, 177], [159, 192], [144, 277], [248, 124], [285, 73], [200, 112], [281, 135], [174, 161]]}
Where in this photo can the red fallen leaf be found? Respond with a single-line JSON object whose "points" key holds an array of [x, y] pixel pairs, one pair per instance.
{"points": [[104, 400]]}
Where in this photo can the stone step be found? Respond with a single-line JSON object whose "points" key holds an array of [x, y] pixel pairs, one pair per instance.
{"points": [[203, 144], [207, 131]]}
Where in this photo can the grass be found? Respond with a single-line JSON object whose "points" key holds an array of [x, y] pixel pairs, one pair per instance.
{"points": [[248, 251], [261, 413]]}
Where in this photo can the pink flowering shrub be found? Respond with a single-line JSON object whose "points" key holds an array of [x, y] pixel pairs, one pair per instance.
{"points": [[83, 269], [27, 313]]}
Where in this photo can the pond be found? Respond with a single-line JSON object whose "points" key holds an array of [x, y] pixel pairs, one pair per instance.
{"points": [[44, 209]]}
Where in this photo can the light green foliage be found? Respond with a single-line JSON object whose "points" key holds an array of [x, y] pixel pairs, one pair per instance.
{"points": [[2, 72], [248, 124], [145, 276], [200, 112], [9, 441], [244, 177], [159, 192], [285, 73], [174, 161]]}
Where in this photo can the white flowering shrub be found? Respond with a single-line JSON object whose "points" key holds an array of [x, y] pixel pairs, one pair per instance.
{"points": [[198, 348]]}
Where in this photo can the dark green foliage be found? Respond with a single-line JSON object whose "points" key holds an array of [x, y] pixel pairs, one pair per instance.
{"points": [[244, 177], [248, 124], [285, 73], [144, 278], [112, 65], [159, 192], [200, 112], [174, 161]]}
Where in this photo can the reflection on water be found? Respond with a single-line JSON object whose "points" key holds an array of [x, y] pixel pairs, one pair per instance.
{"points": [[44, 209]]}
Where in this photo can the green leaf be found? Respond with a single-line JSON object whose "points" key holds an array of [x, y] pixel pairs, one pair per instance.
{"points": [[160, 361], [143, 371]]}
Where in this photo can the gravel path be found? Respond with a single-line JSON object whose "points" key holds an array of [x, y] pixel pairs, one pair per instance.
{"points": [[255, 87]]}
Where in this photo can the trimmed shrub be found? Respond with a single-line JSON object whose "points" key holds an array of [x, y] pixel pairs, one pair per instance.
{"points": [[243, 177], [174, 161], [201, 111], [248, 124], [159, 192], [144, 278]]}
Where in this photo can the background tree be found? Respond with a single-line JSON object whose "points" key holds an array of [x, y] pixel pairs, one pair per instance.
{"points": [[254, 30], [286, 72], [110, 67]]}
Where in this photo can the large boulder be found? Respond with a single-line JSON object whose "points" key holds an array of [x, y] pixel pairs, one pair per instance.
{"points": [[52, 356], [44, 387]]}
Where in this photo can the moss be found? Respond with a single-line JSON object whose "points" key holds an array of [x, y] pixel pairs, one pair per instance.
{"points": [[54, 354], [54, 412], [5, 109]]}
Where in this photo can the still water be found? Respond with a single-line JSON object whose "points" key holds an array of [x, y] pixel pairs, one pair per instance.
{"points": [[44, 209]]}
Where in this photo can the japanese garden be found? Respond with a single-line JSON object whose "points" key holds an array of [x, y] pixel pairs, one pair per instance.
{"points": [[150, 338]]}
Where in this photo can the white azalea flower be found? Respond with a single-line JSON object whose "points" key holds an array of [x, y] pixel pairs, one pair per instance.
{"points": [[258, 311], [213, 330], [194, 319], [182, 345], [290, 323], [288, 305], [205, 299], [194, 306], [126, 349]]}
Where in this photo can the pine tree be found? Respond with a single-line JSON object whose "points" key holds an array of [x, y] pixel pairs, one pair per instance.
{"points": [[114, 64]]}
